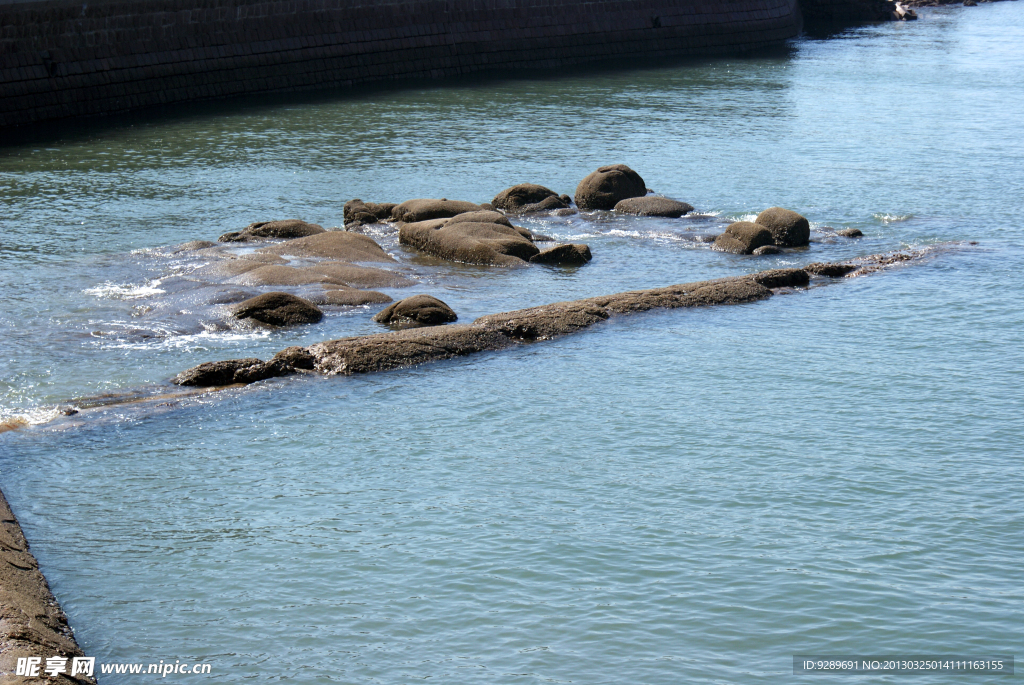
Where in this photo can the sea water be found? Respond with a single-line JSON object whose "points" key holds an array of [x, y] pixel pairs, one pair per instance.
{"points": [[675, 496]]}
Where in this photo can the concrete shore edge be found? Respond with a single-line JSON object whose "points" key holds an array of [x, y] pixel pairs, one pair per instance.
{"points": [[32, 624]]}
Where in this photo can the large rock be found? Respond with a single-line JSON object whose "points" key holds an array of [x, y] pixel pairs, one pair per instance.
{"points": [[358, 213], [336, 273], [412, 211], [278, 309], [608, 186], [418, 310], [563, 255], [359, 276], [290, 228], [788, 228], [527, 197], [830, 269], [488, 240], [653, 206], [743, 237], [231, 371], [341, 245]]}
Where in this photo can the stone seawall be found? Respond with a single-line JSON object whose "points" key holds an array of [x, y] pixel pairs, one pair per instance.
{"points": [[72, 58]]}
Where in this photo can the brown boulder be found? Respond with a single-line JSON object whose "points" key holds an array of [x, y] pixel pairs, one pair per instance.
{"points": [[608, 186], [527, 197], [418, 310], [278, 309], [830, 269], [788, 228], [412, 211], [851, 233], [359, 213], [341, 245], [743, 237], [494, 242], [653, 206], [563, 255], [290, 228]]}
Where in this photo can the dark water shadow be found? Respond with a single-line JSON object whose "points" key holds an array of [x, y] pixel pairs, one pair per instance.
{"points": [[75, 130]]}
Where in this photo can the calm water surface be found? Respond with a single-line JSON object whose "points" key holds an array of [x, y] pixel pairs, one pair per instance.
{"points": [[689, 496]]}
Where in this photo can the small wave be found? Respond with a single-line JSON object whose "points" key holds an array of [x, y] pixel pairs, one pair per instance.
{"points": [[125, 291], [31, 417], [893, 218], [189, 341]]}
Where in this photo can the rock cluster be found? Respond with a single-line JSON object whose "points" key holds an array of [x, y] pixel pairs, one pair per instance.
{"points": [[358, 213], [774, 227]]}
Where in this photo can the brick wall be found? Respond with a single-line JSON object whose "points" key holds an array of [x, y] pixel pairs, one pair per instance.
{"points": [[61, 59]]}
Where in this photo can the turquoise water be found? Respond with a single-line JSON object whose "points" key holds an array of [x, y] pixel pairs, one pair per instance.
{"points": [[686, 496]]}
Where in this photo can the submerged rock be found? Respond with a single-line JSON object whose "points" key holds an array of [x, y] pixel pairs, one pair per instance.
{"points": [[767, 249], [851, 233], [289, 228], [418, 310], [608, 186], [193, 245], [278, 309], [359, 213], [340, 245], [788, 228], [743, 237], [486, 240], [653, 206], [412, 211], [563, 255], [332, 273], [351, 297], [527, 197]]}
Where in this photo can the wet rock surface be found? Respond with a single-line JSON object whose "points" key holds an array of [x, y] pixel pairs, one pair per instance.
{"points": [[278, 309], [767, 250], [412, 211], [263, 230], [359, 213], [608, 186], [830, 269], [743, 237], [483, 238], [340, 245], [653, 206], [350, 297], [418, 310], [563, 255], [526, 198], [851, 233], [788, 228]]}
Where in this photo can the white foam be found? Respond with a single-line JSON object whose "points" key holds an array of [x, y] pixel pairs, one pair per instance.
{"points": [[125, 291], [893, 218]]}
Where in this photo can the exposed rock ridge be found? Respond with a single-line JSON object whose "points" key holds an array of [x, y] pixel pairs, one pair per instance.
{"points": [[384, 351]]}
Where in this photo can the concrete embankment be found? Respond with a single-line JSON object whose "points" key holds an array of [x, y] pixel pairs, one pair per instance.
{"points": [[32, 623], [66, 58]]}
